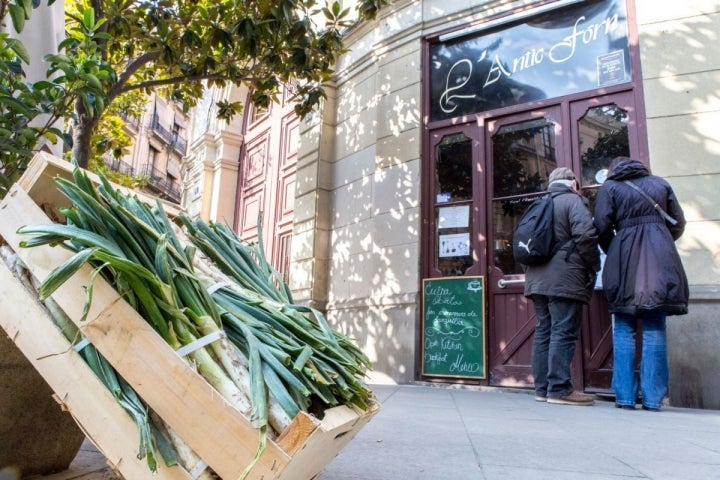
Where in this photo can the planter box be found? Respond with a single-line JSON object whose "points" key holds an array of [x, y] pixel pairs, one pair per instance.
{"points": [[220, 435]]}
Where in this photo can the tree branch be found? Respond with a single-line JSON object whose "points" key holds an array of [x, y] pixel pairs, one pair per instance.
{"points": [[132, 67], [176, 80]]}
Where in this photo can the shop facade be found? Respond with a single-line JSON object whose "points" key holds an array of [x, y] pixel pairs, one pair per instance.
{"points": [[445, 119]]}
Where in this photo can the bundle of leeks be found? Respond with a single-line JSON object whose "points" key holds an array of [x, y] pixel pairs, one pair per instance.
{"points": [[274, 359]]}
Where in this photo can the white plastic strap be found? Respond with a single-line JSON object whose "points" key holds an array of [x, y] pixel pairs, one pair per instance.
{"points": [[81, 344], [200, 343], [198, 469], [214, 288]]}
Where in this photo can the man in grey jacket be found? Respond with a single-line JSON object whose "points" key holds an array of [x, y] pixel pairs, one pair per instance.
{"points": [[559, 289]]}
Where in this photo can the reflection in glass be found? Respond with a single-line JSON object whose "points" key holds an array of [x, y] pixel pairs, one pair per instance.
{"points": [[602, 136], [453, 169], [523, 157]]}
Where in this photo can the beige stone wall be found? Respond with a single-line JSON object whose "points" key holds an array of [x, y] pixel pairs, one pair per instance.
{"points": [[365, 149], [210, 170], [680, 54], [355, 245], [50, 20]]}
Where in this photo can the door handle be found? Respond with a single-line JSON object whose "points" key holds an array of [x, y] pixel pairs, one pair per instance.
{"points": [[502, 283]]}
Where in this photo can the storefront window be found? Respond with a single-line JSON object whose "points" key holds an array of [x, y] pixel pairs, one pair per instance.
{"points": [[453, 169], [453, 198]]}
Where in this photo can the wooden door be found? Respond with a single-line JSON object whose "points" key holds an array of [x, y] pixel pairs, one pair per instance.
{"points": [[266, 190], [602, 128], [521, 151]]}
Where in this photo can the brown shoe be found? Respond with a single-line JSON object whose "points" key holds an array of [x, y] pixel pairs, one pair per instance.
{"points": [[574, 398]]}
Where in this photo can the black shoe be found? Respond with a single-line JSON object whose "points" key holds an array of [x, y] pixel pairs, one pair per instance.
{"points": [[625, 407], [650, 409]]}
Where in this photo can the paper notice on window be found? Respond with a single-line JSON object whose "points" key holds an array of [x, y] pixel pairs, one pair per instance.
{"points": [[454, 217], [455, 245]]}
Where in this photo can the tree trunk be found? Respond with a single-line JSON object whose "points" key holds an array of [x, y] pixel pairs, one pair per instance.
{"points": [[83, 127]]}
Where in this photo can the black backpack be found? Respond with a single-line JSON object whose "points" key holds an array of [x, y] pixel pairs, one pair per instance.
{"points": [[534, 238]]}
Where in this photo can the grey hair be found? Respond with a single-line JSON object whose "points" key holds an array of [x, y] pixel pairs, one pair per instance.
{"points": [[564, 181]]}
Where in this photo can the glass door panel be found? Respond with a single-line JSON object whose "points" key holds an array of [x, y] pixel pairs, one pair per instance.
{"points": [[453, 199], [521, 152], [604, 128], [523, 155], [455, 189]]}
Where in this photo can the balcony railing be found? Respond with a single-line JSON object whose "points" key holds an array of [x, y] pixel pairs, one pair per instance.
{"points": [[160, 182], [179, 145], [173, 139], [118, 165]]}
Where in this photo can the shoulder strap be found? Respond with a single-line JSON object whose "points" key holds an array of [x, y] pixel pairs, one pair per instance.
{"points": [[655, 205]]}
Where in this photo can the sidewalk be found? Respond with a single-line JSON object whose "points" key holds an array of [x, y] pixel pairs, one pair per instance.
{"points": [[445, 433]]}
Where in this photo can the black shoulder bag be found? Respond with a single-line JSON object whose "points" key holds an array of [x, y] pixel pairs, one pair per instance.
{"points": [[655, 205]]}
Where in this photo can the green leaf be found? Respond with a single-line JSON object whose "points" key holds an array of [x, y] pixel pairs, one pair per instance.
{"points": [[92, 80], [28, 6], [19, 49], [63, 272], [17, 14], [89, 18]]}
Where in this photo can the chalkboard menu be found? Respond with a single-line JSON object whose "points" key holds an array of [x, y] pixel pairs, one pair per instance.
{"points": [[453, 327]]}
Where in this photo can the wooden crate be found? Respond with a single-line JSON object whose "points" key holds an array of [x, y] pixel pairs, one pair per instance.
{"points": [[216, 431]]}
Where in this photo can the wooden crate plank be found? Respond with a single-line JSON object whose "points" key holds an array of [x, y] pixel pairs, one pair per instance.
{"points": [[338, 427], [92, 406], [214, 429], [39, 182]]}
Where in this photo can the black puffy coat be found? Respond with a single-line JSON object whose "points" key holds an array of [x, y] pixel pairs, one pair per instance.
{"points": [[571, 272], [643, 270]]}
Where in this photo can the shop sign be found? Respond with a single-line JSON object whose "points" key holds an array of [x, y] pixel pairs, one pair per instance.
{"points": [[559, 53]]}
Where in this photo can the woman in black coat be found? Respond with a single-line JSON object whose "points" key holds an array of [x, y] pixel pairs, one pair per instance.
{"points": [[643, 276]]}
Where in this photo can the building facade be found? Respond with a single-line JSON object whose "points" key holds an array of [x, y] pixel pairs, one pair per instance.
{"points": [[158, 147], [444, 120]]}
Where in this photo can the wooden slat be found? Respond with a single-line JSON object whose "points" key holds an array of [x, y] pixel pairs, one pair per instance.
{"points": [[92, 406], [339, 426], [214, 429], [39, 182]]}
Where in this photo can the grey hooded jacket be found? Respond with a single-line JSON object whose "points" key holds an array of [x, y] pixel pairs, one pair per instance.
{"points": [[571, 272]]}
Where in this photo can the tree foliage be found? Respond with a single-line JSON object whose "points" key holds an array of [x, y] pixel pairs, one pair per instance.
{"points": [[116, 47], [28, 112], [182, 45]]}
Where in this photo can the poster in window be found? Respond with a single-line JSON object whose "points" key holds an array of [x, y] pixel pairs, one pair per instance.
{"points": [[454, 245]]}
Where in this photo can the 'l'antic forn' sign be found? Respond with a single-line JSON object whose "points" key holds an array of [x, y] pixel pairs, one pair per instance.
{"points": [[559, 53]]}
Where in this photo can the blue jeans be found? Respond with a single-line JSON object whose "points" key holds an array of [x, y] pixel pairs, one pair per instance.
{"points": [[556, 332], [653, 364]]}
